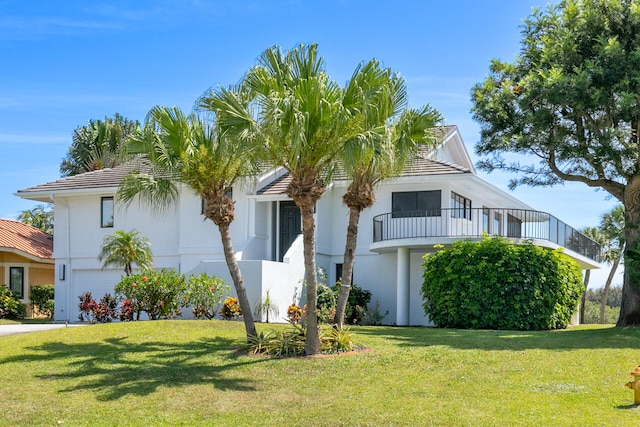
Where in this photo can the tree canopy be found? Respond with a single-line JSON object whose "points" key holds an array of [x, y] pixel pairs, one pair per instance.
{"points": [[97, 145], [41, 217], [571, 100]]}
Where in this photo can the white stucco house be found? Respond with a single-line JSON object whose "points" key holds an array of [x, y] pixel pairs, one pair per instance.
{"points": [[438, 199]]}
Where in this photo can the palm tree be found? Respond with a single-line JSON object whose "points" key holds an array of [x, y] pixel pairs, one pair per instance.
{"points": [[40, 217], [303, 122], [596, 234], [98, 145], [204, 157], [389, 135], [612, 225], [125, 249]]}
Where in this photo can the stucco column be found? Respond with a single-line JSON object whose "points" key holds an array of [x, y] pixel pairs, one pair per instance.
{"points": [[402, 288]]}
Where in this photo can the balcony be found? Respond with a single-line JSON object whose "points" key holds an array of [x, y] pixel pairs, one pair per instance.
{"points": [[465, 222]]}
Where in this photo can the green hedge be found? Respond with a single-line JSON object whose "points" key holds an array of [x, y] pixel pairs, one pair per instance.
{"points": [[42, 299], [496, 284]]}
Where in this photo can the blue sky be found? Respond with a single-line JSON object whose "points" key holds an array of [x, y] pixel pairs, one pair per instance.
{"points": [[65, 62]]}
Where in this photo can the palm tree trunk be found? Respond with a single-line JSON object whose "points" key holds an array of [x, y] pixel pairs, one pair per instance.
{"points": [[607, 286], [347, 267], [238, 282], [587, 276], [312, 341]]}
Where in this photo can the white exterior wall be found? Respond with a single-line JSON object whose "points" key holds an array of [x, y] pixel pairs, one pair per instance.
{"points": [[182, 240]]}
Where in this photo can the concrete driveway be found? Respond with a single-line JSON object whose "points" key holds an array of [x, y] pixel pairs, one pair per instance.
{"points": [[24, 328]]}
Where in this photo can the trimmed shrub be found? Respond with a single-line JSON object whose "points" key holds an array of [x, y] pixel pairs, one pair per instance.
{"points": [[205, 294], [356, 311], [496, 284], [42, 299], [10, 306], [159, 294]]}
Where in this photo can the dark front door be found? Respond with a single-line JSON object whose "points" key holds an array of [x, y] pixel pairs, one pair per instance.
{"points": [[290, 226]]}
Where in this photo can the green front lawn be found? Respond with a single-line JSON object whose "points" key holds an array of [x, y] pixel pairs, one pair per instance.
{"points": [[189, 373]]}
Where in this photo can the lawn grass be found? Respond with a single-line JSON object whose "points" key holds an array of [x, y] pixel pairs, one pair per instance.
{"points": [[189, 373]]}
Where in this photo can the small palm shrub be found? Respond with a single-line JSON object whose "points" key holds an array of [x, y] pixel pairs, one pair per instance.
{"points": [[10, 306], [290, 342], [42, 299], [266, 306]]}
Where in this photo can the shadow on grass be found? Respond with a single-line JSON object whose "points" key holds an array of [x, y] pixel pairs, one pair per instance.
{"points": [[115, 368], [569, 339]]}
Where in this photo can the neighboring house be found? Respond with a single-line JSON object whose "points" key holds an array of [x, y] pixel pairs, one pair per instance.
{"points": [[25, 258], [438, 199]]}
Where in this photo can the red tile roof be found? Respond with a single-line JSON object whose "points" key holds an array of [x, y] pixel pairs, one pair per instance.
{"points": [[26, 239]]}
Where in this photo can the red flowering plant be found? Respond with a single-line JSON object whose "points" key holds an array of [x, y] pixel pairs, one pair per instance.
{"points": [[205, 294], [87, 306]]}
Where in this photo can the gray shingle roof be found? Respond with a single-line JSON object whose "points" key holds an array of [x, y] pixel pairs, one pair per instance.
{"points": [[419, 167], [103, 178]]}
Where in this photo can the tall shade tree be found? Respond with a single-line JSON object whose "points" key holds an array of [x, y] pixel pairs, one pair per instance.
{"points": [[389, 135], [612, 227], [201, 154], [97, 145], [570, 99], [123, 249], [40, 217]]}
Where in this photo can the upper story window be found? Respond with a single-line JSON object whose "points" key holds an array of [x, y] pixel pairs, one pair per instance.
{"points": [[460, 206], [416, 204], [16, 281], [106, 212]]}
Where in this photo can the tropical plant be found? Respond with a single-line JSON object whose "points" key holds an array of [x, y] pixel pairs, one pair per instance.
{"points": [[231, 309], [204, 156], [205, 294], [265, 307], [160, 294], [570, 99], [301, 122], [10, 306], [356, 308], [389, 136], [123, 249], [294, 313], [497, 284], [42, 299], [86, 306], [40, 217], [105, 310], [98, 145]]}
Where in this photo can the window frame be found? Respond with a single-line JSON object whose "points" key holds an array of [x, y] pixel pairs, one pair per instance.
{"points": [[460, 206], [12, 286], [103, 201], [420, 206]]}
